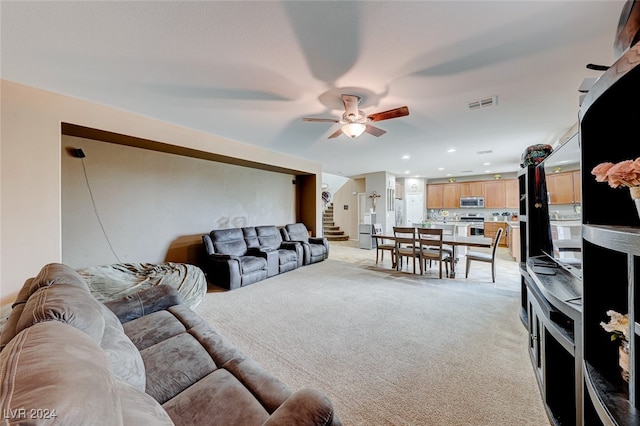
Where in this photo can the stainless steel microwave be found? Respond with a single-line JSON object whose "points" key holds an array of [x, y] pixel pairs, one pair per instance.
{"points": [[472, 202]]}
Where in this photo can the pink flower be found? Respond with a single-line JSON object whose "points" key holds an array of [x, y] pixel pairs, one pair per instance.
{"points": [[623, 173], [600, 171]]}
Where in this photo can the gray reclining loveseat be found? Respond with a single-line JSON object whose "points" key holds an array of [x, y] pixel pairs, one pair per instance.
{"points": [[238, 257]]}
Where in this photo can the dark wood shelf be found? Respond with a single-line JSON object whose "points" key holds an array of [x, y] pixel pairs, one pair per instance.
{"points": [[611, 400], [625, 239]]}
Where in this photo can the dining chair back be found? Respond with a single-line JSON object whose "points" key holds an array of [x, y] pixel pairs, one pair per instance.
{"points": [[382, 245], [406, 246], [431, 248], [485, 257], [447, 229]]}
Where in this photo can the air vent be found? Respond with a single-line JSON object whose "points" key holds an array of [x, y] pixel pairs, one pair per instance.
{"points": [[466, 171], [482, 103], [488, 151]]}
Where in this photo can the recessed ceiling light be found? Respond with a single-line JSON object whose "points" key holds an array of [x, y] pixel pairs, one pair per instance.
{"points": [[406, 157], [451, 150], [448, 174], [406, 172], [486, 164], [487, 171], [440, 168]]}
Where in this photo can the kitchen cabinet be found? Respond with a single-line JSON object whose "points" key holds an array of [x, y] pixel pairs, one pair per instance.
{"points": [[512, 194], [399, 191], [495, 194], [435, 194], [513, 241], [472, 189], [491, 229], [577, 190], [451, 196], [498, 194], [443, 196], [560, 188]]}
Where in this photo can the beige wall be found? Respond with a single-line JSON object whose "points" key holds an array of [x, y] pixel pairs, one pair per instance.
{"points": [[347, 195], [30, 168], [154, 206]]}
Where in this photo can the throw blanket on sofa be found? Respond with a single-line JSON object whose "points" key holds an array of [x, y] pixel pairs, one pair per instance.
{"points": [[108, 282]]}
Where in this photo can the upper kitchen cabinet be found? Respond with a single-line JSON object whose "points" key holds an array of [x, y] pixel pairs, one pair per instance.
{"points": [[512, 193], [495, 196], [577, 190], [443, 196], [562, 187], [435, 196], [472, 189], [451, 196]]}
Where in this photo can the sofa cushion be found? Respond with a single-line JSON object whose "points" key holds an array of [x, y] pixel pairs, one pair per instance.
{"points": [[297, 232], [73, 379], [59, 294], [251, 237], [252, 263], [287, 256], [269, 237], [174, 365], [150, 329], [54, 372], [229, 241], [219, 393]]}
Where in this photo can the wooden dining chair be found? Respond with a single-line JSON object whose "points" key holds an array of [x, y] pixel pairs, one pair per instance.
{"points": [[485, 257], [447, 230], [406, 246], [431, 248], [382, 245]]}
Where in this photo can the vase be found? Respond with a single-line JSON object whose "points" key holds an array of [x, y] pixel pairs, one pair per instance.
{"points": [[635, 196], [623, 360]]}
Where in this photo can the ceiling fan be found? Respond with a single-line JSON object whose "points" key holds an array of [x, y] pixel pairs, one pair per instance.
{"points": [[355, 122]]}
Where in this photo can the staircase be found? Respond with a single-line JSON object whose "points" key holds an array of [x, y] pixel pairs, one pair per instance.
{"points": [[329, 228]]}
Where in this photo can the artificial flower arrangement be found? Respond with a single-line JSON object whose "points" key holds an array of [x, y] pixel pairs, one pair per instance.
{"points": [[625, 173], [618, 326]]}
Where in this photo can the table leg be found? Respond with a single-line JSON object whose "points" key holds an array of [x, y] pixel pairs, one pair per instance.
{"points": [[453, 261]]}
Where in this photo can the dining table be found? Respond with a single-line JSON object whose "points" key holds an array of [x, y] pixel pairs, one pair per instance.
{"points": [[451, 240]]}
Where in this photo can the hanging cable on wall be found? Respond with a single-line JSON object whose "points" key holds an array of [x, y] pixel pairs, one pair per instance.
{"points": [[79, 153]]}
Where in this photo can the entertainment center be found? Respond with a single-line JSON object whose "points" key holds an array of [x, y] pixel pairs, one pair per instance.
{"points": [[564, 304]]}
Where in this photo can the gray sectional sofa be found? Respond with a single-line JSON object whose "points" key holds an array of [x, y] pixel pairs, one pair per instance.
{"points": [[145, 359], [237, 257]]}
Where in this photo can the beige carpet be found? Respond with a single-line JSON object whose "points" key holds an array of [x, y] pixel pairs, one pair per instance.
{"points": [[390, 348]]}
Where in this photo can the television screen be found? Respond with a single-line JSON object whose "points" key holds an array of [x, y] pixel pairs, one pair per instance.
{"points": [[563, 186]]}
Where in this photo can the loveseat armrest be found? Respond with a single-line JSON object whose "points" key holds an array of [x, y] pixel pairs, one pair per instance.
{"points": [[304, 407], [290, 245], [323, 241], [144, 302]]}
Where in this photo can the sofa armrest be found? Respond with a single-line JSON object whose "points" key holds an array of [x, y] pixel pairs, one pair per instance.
{"points": [[318, 240], [323, 241], [144, 302], [304, 407], [290, 245]]}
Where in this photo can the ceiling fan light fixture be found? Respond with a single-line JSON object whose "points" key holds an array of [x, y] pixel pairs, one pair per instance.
{"points": [[353, 130]]}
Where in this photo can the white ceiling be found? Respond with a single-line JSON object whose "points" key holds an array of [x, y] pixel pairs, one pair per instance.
{"points": [[249, 71]]}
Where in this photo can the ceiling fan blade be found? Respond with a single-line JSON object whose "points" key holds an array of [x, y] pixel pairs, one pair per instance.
{"points": [[386, 115], [320, 120], [374, 131], [351, 105], [335, 134]]}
